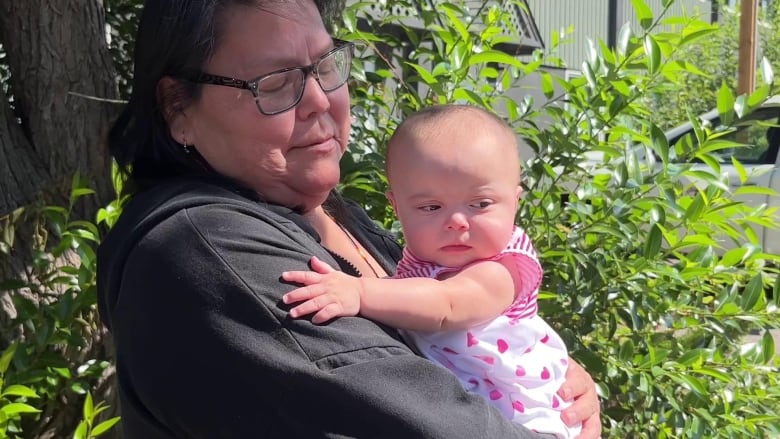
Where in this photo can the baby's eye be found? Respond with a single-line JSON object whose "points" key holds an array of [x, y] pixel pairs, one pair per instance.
{"points": [[483, 204], [429, 208]]}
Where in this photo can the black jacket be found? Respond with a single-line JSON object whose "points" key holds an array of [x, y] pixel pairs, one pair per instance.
{"points": [[189, 285]]}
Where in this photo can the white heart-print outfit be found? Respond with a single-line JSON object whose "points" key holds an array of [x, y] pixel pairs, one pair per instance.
{"points": [[516, 361]]}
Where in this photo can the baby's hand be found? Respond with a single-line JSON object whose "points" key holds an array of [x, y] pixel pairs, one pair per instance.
{"points": [[326, 292]]}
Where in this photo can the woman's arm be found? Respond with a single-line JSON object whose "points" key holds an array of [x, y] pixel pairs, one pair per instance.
{"points": [[472, 296]]}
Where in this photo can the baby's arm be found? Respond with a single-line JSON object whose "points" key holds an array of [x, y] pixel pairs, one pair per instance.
{"points": [[474, 295]]}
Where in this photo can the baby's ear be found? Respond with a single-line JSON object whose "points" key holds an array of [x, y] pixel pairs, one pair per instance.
{"points": [[391, 197], [519, 191]]}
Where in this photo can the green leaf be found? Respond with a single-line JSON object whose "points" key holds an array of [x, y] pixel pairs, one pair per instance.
{"points": [[740, 106], [81, 431], [626, 351], [5, 359], [89, 408], [425, 75], [653, 52], [725, 99], [547, 85], [691, 382], [494, 56], [653, 243], [759, 95], [698, 34], [717, 374], [590, 76], [767, 73], [767, 347], [660, 143], [104, 426], [19, 390], [644, 15], [690, 357], [18, 408], [753, 291], [776, 291], [624, 38], [80, 192]]}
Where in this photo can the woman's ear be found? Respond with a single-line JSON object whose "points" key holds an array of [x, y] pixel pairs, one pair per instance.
{"points": [[167, 91]]}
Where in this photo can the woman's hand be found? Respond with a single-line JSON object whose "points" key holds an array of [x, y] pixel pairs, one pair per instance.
{"points": [[580, 388]]}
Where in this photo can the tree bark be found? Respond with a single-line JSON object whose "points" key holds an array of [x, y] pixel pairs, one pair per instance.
{"points": [[57, 54]]}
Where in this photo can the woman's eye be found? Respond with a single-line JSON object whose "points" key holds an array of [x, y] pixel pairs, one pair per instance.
{"points": [[273, 83]]}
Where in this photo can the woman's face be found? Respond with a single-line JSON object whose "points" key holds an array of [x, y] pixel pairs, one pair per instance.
{"points": [[291, 158]]}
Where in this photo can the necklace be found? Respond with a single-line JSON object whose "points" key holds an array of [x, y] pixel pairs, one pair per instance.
{"points": [[357, 247]]}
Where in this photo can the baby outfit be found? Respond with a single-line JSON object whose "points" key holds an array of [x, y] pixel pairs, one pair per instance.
{"points": [[517, 362]]}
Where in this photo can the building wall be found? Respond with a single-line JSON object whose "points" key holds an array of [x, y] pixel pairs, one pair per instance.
{"points": [[590, 19]]}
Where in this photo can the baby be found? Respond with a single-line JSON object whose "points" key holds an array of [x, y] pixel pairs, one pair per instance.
{"points": [[465, 292]]}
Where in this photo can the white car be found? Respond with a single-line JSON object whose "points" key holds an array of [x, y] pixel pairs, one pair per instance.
{"points": [[761, 161]]}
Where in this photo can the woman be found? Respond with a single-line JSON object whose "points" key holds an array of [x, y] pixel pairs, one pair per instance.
{"points": [[233, 184]]}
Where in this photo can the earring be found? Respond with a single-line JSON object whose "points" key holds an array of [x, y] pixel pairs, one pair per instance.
{"points": [[185, 146]]}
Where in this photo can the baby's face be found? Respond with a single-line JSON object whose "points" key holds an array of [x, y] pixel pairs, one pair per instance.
{"points": [[456, 193]]}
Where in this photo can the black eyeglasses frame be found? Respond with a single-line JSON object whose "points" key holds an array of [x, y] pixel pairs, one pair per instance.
{"points": [[252, 84]]}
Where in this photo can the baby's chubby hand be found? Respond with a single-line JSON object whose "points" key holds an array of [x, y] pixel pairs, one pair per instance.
{"points": [[326, 292]]}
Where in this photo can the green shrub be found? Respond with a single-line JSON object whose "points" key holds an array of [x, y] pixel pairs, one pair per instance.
{"points": [[635, 279], [58, 357]]}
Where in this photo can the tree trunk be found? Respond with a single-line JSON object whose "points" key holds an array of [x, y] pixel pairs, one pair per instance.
{"points": [[53, 124], [57, 54]]}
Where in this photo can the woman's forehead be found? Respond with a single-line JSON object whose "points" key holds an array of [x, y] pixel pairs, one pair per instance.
{"points": [[275, 35]]}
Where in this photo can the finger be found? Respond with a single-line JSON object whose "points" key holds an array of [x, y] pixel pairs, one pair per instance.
{"points": [[584, 409], [591, 428], [310, 306], [578, 382], [319, 266], [303, 293], [302, 277], [329, 312]]}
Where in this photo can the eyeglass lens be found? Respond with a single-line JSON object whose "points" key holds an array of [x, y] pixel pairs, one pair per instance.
{"points": [[281, 91]]}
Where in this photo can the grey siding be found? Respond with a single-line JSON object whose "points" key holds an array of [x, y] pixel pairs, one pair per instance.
{"points": [[589, 19]]}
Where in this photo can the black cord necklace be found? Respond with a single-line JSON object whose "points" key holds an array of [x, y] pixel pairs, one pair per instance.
{"points": [[357, 247]]}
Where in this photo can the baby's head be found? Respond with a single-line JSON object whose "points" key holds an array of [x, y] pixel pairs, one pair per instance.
{"points": [[454, 175]]}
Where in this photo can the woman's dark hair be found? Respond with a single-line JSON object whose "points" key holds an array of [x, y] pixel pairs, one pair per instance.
{"points": [[175, 38]]}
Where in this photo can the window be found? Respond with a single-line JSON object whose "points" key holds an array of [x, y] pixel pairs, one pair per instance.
{"points": [[760, 131]]}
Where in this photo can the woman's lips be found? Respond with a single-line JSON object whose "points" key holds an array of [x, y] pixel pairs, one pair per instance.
{"points": [[321, 145]]}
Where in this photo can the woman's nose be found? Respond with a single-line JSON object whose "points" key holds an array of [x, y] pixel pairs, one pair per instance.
{"points": [[457, 221], [314, 99]]}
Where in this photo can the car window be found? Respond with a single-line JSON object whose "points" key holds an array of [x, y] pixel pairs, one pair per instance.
{"points": [[761, 131]]}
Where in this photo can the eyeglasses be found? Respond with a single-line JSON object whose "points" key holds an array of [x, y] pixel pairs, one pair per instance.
{"points": [[278, 91]]}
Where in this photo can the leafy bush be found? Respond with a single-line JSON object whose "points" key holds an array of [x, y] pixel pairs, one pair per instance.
{"points": [[635, 278], [58, 355]]}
